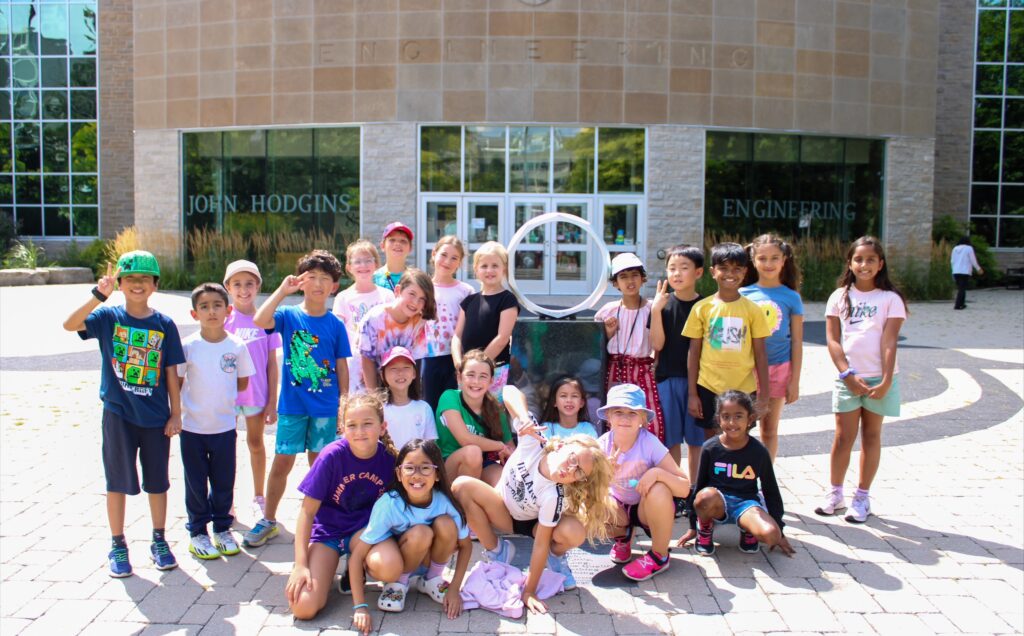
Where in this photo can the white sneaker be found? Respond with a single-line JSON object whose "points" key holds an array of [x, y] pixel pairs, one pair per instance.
{"points": [[860, 509], [201, 547], [833, 503], [225, 543]]}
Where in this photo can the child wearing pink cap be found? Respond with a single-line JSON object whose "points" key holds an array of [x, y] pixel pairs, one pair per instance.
{"points": [[396, 243], [408, 416]]}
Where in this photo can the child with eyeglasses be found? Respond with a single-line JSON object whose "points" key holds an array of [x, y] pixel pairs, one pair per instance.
{"points": [[352, 304], [417, 517]]}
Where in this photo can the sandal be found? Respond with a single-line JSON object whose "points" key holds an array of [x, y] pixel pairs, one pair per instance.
{"points": [[392, 597], [435, 588]]}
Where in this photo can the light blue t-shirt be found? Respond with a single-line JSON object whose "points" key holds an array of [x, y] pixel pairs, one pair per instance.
{"points": [[779, 305], [557, 430], [391, 516]]}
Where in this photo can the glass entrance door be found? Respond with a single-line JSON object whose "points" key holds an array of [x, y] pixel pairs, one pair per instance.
{"points": [[531, 261]]}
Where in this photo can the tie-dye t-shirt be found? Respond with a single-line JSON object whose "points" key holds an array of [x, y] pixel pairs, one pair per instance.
{"points": [[646, 453], [440, 331], [352, 306], [379, 333], [136, 353]]}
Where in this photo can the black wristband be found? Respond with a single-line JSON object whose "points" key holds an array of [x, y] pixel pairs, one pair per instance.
{"points": [[99, 295]]}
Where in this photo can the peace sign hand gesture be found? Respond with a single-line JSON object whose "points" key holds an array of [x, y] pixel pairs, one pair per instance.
{"points": [[108, 283], [661, 294]]}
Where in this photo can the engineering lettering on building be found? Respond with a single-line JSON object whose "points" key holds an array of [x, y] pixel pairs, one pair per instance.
{"points": [[788, 209]]}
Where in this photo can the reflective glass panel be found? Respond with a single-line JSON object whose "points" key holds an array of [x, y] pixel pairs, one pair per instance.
{"points": [[991, 36], [988, 112], [1015, 47], [56, 190], [24, 30], [55, 72], [1013, 157], [5, 104], [85, 189], [24, 72], [1014, 117], [26, 147], [1013, 200], [5, 30], [30, 221], [83, 72], [485, 159], [483, 221], [984, 199], [83, 104], [1015, 80], [1011, 232], [620, 224], [986, 156], [573, 160], [620, 160], [82, 28], [986, 227], [86, 221], [6, 189], [440, 158], [53, 30], [567, 233], [58, 221], [989, 80], [529, 158], [26, 104], [5, 72], [28, 189], [5, 147], [442, 219], [55, 147], [83, 147], [55, 105]]}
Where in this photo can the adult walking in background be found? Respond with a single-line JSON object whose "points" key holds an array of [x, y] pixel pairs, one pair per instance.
{"points": [[964, 263]]}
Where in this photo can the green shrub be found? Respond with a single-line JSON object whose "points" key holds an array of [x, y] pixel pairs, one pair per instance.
{"points": [[93, 256], [946, 228], [8, 231], [25, 255]]}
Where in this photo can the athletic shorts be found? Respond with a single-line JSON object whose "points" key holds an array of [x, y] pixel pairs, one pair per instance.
{"points": [[248, 411], [298, 433], [778, 379], [123, 442], [680, 427], [735, 507], [889, 406], [524, 528], [632, 513]]}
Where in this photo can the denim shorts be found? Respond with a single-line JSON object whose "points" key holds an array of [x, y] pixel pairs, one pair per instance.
{"points": [[341, 545], [889, 406], [735, 507], [298, 433], [680, 427]]}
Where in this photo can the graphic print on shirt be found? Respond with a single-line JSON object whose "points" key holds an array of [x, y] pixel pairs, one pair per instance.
{"points": [[228, 363], [772, 314], [521, 486], [363, 490], [733, 470], [861, 311], [727, 333], [136, 359], [303, 367]]}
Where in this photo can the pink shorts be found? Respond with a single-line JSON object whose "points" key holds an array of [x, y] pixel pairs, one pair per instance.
{"points": [[778, 379]]}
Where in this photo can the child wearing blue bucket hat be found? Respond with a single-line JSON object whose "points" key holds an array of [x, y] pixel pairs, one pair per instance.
{"points": [[646, 479]]}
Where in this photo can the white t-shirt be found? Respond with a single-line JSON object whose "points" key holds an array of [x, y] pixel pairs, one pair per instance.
{"points": [[963, 261], [352, 306], [440, 331], [211, 371], [407, 422], [529, 495], [863, 328]]}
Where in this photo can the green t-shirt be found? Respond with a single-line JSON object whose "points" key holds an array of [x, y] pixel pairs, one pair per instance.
{"points": [[451, 400]]}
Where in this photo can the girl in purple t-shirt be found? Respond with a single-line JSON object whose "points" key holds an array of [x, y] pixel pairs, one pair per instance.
{"points": [[340, 489], [646, 479]]}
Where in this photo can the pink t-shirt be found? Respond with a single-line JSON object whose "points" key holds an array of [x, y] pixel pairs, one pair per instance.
{"points": [[862, 329], [634, 335], [260, 344], [352, 306], [646, 453], [440, 331]]}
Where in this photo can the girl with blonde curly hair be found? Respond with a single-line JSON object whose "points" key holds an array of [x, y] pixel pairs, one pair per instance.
{"points": [[553, 490]]}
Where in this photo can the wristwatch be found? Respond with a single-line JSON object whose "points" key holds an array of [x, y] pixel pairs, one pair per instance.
{"points": [[850, 371]]}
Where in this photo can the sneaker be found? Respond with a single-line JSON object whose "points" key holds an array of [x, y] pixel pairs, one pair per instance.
{"points": [[682, 510], [749, 543], [225, 543], [501, 554], [259, 506], [622, 551], [560, 565], [833, 504], [645, 567], [860, 509], [262, 532], [201, 548], [120, 566], [705, 538], [344, 584], [160, 552]]}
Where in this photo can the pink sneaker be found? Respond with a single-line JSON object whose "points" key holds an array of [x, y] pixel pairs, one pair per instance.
{"points": [[621, 552], [645, 567]]}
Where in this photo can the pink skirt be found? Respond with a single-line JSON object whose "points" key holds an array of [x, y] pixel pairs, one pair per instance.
{"points": [[624, 369]]}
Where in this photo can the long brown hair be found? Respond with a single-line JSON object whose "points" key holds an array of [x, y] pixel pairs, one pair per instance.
{"points": [[551, 409], [418, 277], [882, 281], [373, 399], [433, 453], [790, 274], [490, 412]]}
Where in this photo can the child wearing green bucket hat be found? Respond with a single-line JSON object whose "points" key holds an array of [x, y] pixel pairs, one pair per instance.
{"points": [[141, 406]]}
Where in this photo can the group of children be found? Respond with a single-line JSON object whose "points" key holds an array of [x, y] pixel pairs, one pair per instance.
{"points": [[416, 445]]}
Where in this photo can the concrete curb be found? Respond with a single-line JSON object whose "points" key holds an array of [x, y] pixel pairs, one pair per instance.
{"points": [[45, 276]]}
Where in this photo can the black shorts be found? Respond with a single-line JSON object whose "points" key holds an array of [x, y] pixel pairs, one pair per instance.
{"points": [[632, 512], [524, 528], [708, 403], [123, 444]]}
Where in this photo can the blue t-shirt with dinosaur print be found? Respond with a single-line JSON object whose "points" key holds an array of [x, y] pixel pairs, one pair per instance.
{"points": [[312, 346]]}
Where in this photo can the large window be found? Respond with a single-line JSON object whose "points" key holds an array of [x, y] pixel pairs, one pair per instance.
{"points": [[49, 172], [997, 165], [794, 185], [276, 180]]}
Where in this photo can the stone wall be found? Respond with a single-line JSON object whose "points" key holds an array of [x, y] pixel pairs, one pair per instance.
{"points": [[158, 201], [675, 191], [116, 69], [954, 108], [907, 211], [387, 190]]}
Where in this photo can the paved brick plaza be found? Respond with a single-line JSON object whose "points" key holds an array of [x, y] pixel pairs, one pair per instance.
{"points": [[944, 554]]}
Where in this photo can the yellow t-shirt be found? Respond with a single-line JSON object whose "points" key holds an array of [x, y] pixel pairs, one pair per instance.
{"points": [[727, 353]]}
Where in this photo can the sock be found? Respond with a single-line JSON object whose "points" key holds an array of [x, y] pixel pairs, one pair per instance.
{"points": [[404, 579], [659, 558], [860, 493], [158, 535], [837, 489], [705, 526], [435, 569], [118, 541]]}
